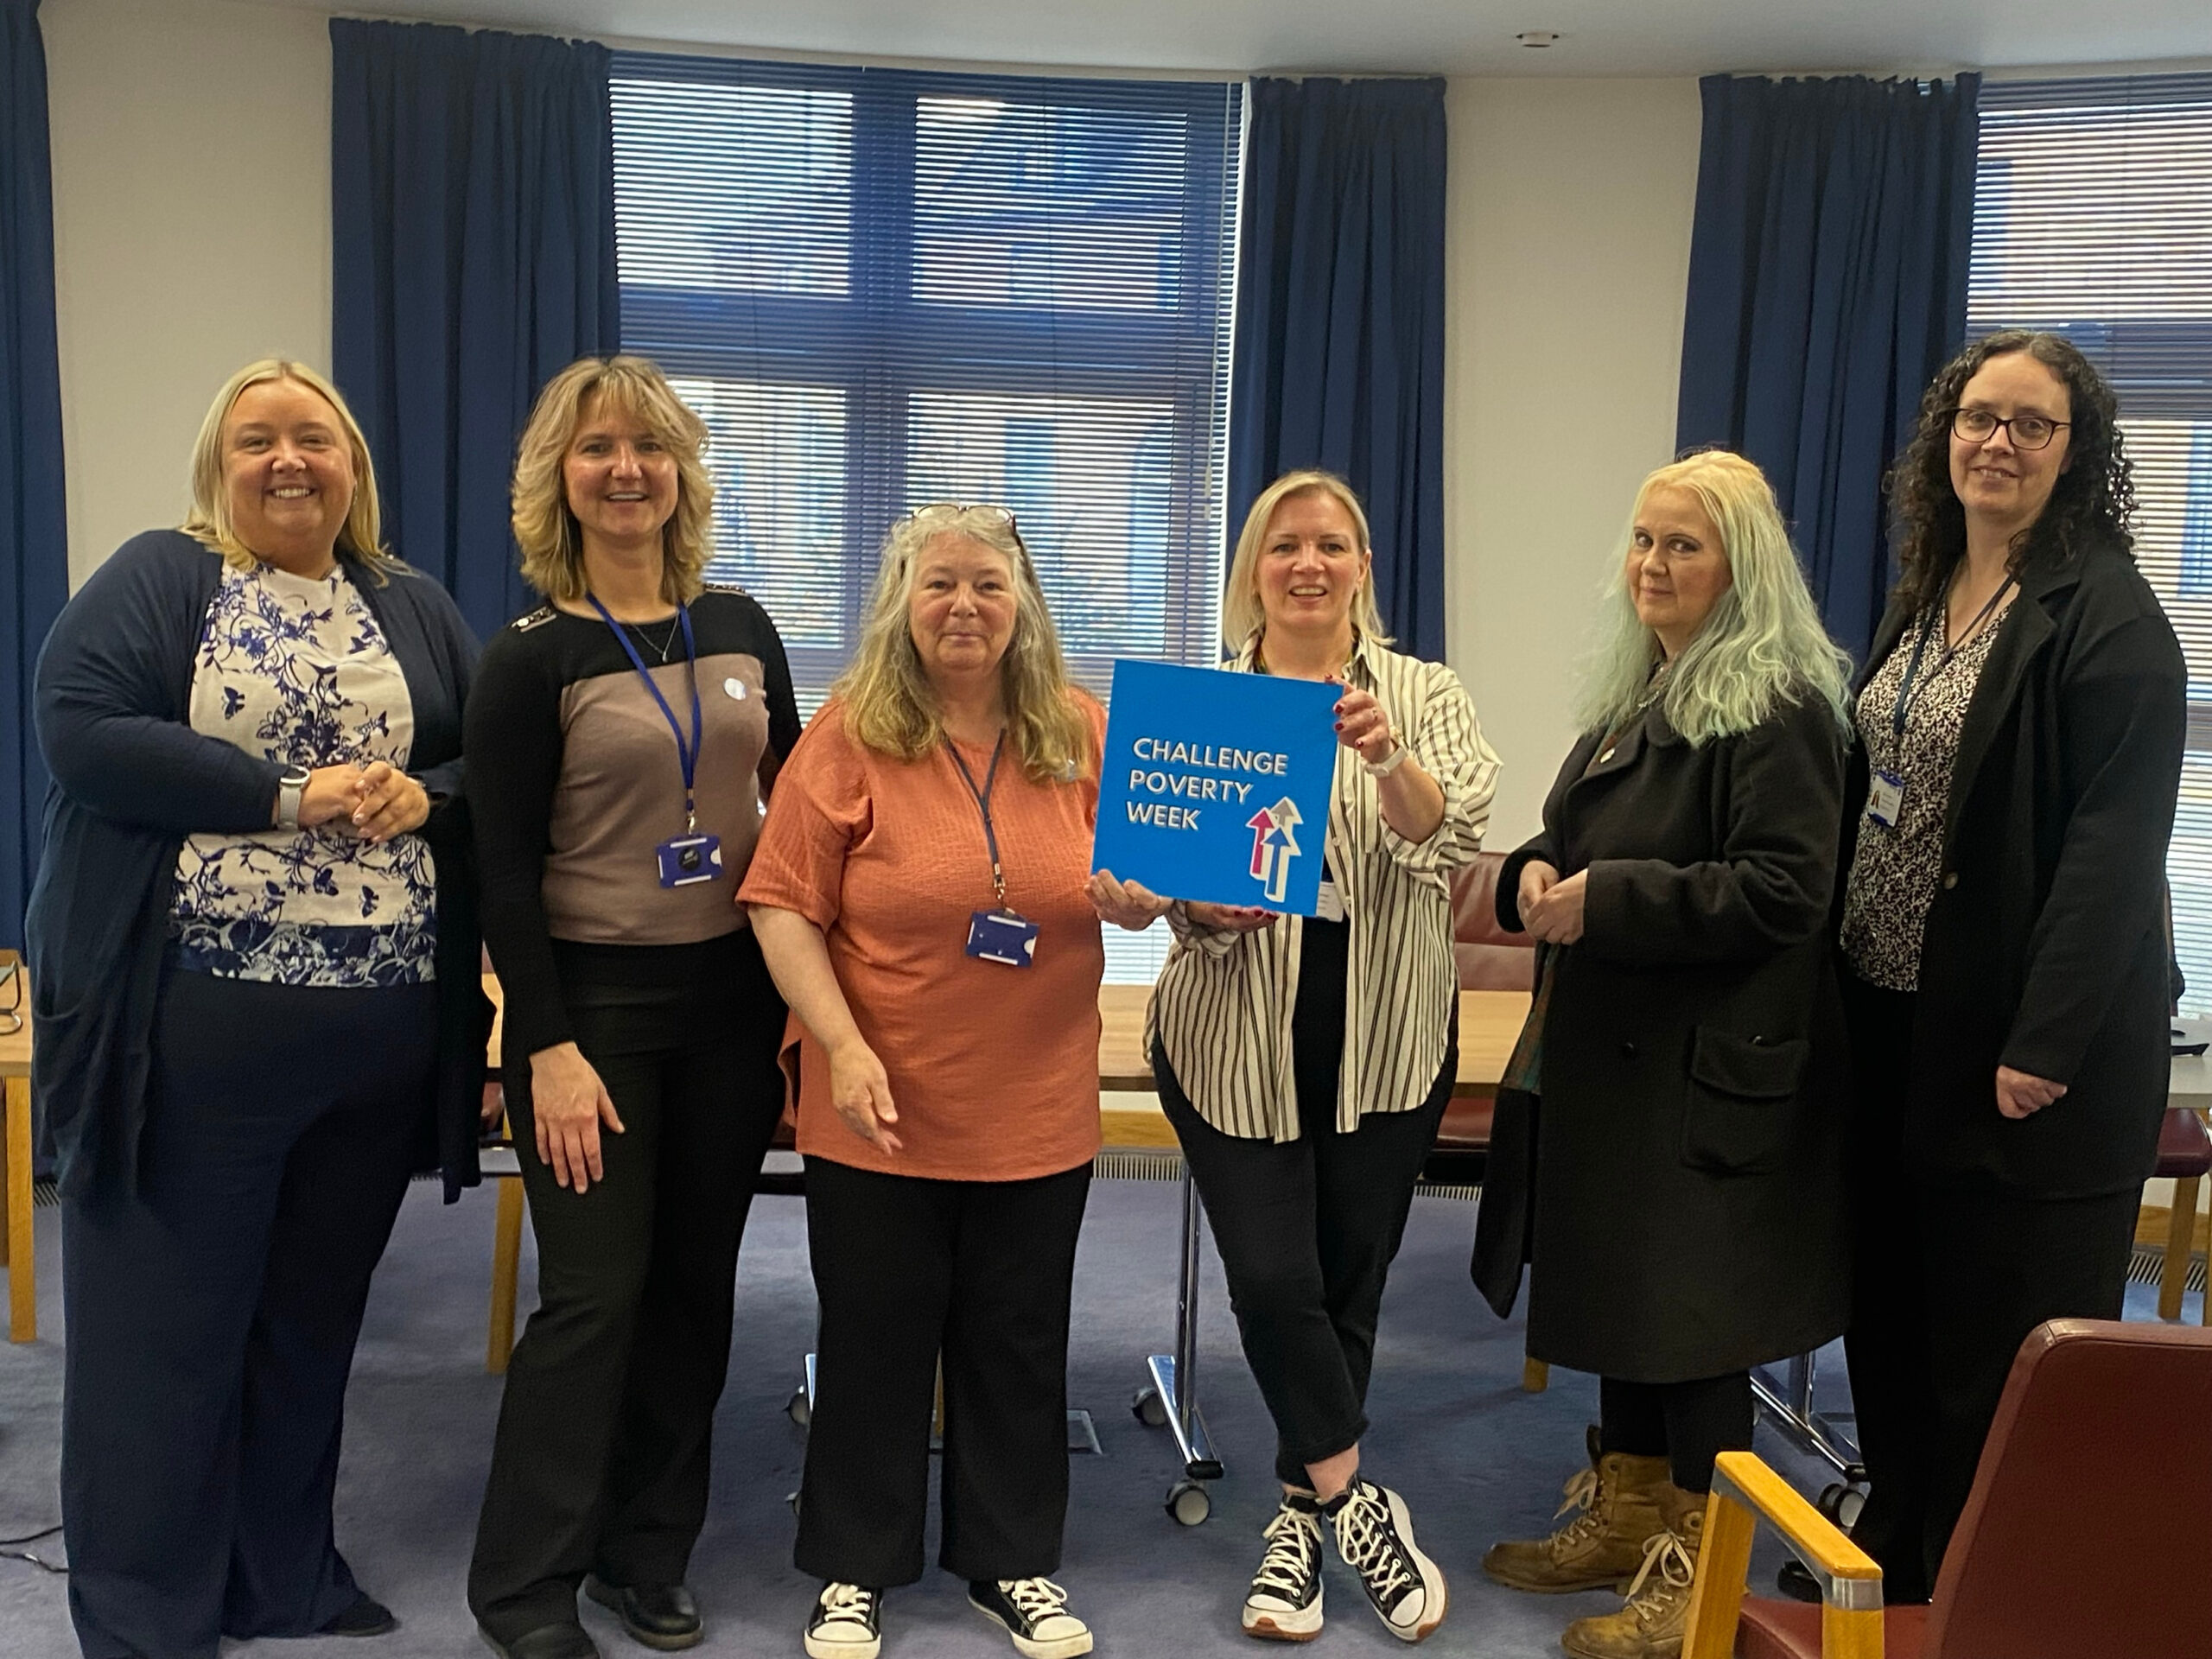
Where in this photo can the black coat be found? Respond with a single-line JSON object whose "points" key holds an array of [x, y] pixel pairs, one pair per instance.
{"points": [[2046, 947], [1677, 1188]]}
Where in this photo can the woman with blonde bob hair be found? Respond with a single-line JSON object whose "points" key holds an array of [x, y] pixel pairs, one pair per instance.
{"points": [[918, 892], [623, 737], [257, 1009], [546, 526], [1667, 1150]]}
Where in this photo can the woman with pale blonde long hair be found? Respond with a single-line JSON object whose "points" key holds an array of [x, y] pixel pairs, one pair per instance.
{"points": [[918, 891], [1305, 1134], [256, 1011], [622, 738], [1667, 1150]]}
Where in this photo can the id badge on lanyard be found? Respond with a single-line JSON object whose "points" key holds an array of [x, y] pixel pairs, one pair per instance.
{"points": [[687, 859], [1003, 934]]}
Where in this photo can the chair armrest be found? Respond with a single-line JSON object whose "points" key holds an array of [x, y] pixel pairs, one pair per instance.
{"points": [[1745, 1491]]}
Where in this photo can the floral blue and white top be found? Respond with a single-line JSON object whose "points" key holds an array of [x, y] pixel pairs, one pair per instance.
{"points": [[294, 668]]}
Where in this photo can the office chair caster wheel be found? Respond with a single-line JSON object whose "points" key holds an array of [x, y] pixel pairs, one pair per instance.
{"points": [[1189, 1503], [1841, 1502], [1149, 1408]]}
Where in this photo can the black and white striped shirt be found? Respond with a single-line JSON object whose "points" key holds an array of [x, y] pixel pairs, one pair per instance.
{"points": [[1222, 1010]]}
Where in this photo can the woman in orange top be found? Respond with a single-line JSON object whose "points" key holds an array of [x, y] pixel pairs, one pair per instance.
{"points": [[918, 892]]}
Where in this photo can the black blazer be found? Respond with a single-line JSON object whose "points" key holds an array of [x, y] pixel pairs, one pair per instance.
{"points": [[1677, 1186], [2046, 947]]}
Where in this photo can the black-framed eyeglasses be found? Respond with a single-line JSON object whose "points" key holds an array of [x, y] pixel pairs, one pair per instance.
{"points": [[2025, 431], [954, 509]]}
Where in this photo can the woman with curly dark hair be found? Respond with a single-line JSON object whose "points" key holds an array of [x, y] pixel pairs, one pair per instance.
{"points": [[2021, 722]]}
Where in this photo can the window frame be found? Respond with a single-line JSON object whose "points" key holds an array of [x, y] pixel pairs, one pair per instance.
{"points": [[895, 345]]}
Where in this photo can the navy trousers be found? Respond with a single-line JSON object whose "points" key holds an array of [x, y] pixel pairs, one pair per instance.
{"points": [[212, 1313]]}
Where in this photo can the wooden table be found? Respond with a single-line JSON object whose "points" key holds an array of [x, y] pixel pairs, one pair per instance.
{"points": [[1489, 1024], [16, 1176]]}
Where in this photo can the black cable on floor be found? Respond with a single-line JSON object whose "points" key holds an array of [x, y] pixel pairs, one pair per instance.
{"points": [[42, 1565]]}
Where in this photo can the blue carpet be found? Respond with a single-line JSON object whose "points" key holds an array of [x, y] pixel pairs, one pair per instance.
{"points": [[1477, 1459]]}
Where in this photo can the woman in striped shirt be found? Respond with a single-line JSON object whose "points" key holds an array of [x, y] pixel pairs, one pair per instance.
{"points": [[1305, 1062]]}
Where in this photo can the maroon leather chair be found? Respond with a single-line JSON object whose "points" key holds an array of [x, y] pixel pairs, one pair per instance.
{"points": [[1490, 959], [2088, 1533]]}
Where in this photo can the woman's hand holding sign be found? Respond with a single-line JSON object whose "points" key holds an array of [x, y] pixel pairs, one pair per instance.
{"points": [[1363, 726], [1231, 918], [1130, 904], [1411, 801]]}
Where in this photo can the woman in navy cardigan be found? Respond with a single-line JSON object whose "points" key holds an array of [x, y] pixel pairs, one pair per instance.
{"points": [[256, 1010]]}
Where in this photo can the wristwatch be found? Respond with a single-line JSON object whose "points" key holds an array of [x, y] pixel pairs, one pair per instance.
{"points": [[1392, 761], [288, 789]]}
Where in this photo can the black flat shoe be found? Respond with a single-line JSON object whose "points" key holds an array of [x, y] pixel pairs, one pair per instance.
{"points": [[547, 1642], [661, 1616], [364, 1616]]}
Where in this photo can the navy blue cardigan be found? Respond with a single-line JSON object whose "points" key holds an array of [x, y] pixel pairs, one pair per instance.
{"points": [[131, 779]]}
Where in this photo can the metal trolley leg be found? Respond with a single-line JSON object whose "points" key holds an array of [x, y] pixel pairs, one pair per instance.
{"points": [[1172, 1398], [1816, 1433]]}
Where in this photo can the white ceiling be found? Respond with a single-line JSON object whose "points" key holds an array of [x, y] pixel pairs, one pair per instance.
{"points": [[1469, 37]]}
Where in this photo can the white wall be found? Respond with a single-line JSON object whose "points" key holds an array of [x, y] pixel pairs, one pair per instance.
{"points": [[1566, 262], [191, 233]]}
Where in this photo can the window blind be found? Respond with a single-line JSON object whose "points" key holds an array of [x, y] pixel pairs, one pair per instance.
{"points": [[2093, 218], [885, 287]]}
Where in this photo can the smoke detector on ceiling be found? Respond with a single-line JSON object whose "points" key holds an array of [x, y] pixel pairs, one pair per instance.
{"points": [[1537, 39]]}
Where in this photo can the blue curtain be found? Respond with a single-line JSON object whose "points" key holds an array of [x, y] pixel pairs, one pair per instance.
{"points": [[472, 257], [1827, 284], [34, 537], [1340, 357]]}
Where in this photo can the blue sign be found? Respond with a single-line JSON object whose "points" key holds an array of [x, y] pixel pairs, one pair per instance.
{"points": [[1216, 786]]}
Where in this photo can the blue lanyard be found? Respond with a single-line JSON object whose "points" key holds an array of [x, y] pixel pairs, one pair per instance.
{"points": [[983, 804], [688, 756], [1905, 698]]}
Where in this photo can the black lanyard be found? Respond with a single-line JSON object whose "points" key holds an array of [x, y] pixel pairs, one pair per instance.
{"points": [[1905, 698], [983, 806], [688, 757]]}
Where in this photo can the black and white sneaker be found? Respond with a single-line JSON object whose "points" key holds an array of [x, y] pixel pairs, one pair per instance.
{"points": [[844, 1624], [1285, 1601], [1035, 1612], [1375, 1534]]}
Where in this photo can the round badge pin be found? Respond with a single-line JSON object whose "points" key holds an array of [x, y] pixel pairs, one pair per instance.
{"points": [[735, 687]]}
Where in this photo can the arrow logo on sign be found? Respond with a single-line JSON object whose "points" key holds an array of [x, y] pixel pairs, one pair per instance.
{"points": [[1260, 824], [1274, 843]]}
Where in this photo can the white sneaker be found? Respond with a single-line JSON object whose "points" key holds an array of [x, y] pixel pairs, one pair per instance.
{"points": [[1375, 1534], [1284, 1602], [844, 1624], [1035, 1612]]}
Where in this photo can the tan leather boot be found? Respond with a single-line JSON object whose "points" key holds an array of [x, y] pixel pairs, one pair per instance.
{"points": [[1602, 1545], [1650, 1625]]}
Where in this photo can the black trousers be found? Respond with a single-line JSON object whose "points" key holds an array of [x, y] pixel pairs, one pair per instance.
{"points": [[1307, 1229], [1687, 1423], [908, 1269], [601, 1462], [1950, 1281], [213, 1313]]}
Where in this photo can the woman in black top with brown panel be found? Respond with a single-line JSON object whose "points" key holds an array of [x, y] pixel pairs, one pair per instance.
{"points": [[622, 739]]}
